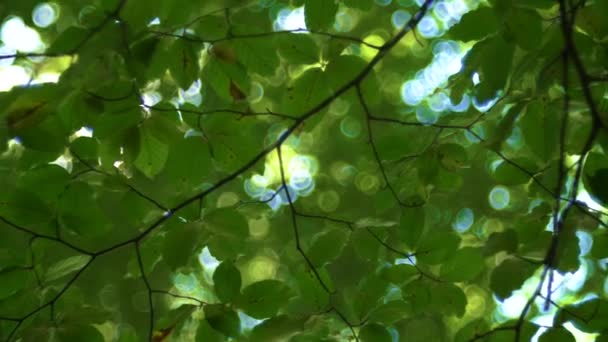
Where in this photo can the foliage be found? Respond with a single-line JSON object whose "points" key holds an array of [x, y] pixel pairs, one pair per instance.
{"points": [[202, 172]]}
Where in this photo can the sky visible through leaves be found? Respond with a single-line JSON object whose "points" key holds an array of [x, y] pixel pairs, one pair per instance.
{"points": [[304, 170]]}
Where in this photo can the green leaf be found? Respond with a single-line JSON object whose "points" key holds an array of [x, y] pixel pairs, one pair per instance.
{"points": [[79, 210], [180, 243], [212, 27], [435, 248], [390, 312], [222, 319], [299, 48], [277, 329], [557, 334], [600, 245], [359, 4], [205, 333], [507, 333], [306, 91], [466, 264], [320, 14], [494, 68], [448, 299], [452, 156], [507, 174], [227, 282], [472, 330], [501, 241], [75, 333], [111, 124], [257, 55], [399, 274], [13, 281], [68, 40], [184, 64], [475, 25], [597, 185], [153, 153], [66, 266], [540, 130], [526, 27], [589, 316], [411, 225], [264, 298], [229, 232], [46, 181], [326, 246], [374, 332], [420, 329], [509, 276]]}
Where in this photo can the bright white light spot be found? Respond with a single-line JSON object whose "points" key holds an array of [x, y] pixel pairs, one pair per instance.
{"points": [[458, 9], [63, 162], [300, 180], [155, 21], [16, 35], [574, 281], [585, 242], [208, 261], [412, 92], [12, 76], [248, 322], [512, 306], [583, 196], [44, 15], [499, 197], [463, 106], [406, 261], [447, 47], [273, 199], [256, 186], [192, 95], [290, 19], [151, 98], [464, 220], [47, 77], [484, 106], [447, 61], [442, 11], [428, 27], [475, 78], [84, 132], [6, 51], [292, 192], [400, 18]]}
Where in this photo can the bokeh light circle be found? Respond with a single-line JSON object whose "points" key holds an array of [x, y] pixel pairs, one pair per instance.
{"points": [[44, 15], [499, 197]]}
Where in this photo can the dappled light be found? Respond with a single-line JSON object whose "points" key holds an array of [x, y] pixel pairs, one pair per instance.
{"points": [[45, 14], [303, 170]]}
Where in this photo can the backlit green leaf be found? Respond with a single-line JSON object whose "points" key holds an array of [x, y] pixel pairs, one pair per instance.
{"points": [[227, 281]]}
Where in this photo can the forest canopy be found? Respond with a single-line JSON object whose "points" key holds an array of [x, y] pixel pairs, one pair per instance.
{"points": [[304, 170]]}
